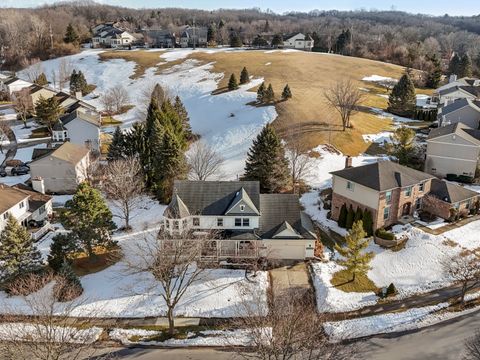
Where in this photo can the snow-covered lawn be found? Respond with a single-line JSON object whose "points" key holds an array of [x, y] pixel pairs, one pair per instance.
{"points": [[147, 214], [467, 236]]}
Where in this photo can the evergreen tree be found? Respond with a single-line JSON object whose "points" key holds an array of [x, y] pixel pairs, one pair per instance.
{"points": [[286, 93], [232, 83], [82, 83], [244, 76], [151, 138], [48, 111], [261, 93], [235, 40], [465, 66], [73, 82], [211, 33], [134, 141], [266, 161], [434, 76], [184, 118], [342, 218], [70, 35], [277, 40], [269, 94], [18, 254], [117, 149], [368, 222], [454, 67], [62, 246], [89, 219], [402, 145], [158, 95], [172, 165], [350, 218], [354, 259], [358, 215], [170, 119], [41, 80], [70, 287], [402, 100]]}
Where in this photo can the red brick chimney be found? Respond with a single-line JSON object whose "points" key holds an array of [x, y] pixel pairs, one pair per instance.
{"points": [[348, 162]]}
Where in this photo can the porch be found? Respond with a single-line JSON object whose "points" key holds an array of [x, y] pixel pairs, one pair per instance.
{"points": [[235, 249]]}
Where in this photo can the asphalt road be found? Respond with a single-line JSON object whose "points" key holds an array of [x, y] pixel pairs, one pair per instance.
{"points": [[440, 342]]}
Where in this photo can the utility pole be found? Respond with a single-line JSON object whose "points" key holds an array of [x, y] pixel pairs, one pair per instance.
{"points": [[194, 33], [51, 36]]}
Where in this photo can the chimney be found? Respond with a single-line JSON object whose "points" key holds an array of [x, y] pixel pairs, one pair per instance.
{"points": [[452, 78], [348, 162], [38, 185], [78, 95]]}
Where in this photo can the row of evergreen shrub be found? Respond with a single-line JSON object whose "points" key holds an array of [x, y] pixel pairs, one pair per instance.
{"points": [[348, 217], [460, 178], [425, 115]]}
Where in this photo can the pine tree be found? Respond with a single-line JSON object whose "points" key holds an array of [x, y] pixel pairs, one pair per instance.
{"points": [[368, 222], [62, 246], [454, 67], [269, 94], [70, 35], [89, 219], [158, 95], [261, 93], [73, 82], [465, 66], [232, 83], [266, 161], [354, 259], [183, 114], [235, 40], [244, 76], [402, 100], [342, 218], [277, 40], [18, 254], [402, 145], [41, 80], [151, 138], [82, 83], [117, 148], [286, 93], [70, 287], [48, 111], [350, 218], [358, 215], [211, 34], [172, 165], [170, 119], [434, 76]]}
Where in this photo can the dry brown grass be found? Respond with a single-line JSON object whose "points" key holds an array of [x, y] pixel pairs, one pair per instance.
{"points": [[306, 115]]}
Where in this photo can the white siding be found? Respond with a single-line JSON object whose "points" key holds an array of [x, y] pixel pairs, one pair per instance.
{"points": [[16, 211], [360, 194]]}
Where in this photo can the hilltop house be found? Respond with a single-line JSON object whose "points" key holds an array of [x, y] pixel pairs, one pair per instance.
{"points": [[193, 36], [30, 208], [112, 35], [392, 192], [61, 169], [298, 41], [453, 149], [249, 224], [463, 110], [158, 38]]}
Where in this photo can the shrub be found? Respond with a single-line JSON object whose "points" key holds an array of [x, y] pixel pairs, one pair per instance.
{"points": [[391, 290], [368, 222], [68, 285], [426, 216], [350, 218], [451, 177], [384, 234], [465, 179], [342, 218]]}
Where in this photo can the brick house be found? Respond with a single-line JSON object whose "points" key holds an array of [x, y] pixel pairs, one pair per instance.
{"points": [[393, 192]]}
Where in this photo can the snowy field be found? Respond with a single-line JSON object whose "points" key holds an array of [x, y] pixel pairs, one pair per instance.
{"points": [[224, 121]]}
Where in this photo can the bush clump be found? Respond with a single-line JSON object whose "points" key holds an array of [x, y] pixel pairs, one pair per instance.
{"points": [[384, 234]]}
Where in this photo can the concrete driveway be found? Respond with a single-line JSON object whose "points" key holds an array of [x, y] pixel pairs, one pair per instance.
{"points": [[290, 279]]}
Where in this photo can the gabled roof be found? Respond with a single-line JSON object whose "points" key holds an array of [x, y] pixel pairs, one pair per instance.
{"points": [[214, 197], [36, 199], [9, 197], [285, 230], [41, 152], [383, 175], [71, 153], [76, 114], [177, 208], [242, 196], [450, 192], [459, 129], [471, 90], [460, 104]]}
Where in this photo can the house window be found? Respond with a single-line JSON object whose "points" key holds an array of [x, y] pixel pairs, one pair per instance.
{"points": [[246, 222], [242, 207], [184, 223], [196, 221], [21, 205], [167, 224], [434, 170], [421, 187], [238, 222], [468, 204], [219, 222], [5, 216], [388, 197], [176, 225], [408, 191], [386, 212], [350, 185], [418, 204], [42, 209]]}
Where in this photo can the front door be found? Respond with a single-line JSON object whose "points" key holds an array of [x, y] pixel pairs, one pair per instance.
{"points": [[406, 209]]}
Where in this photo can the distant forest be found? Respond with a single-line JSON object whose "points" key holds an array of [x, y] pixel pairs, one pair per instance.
{"points": [[27, 35]]}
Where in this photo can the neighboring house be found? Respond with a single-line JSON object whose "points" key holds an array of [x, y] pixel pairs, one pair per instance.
{"points": [[451, 94], [80, 127], [453, 82], [249, 224], [391, 192], [453, 149], [37, 92], [466, 111], [13, 84], [194, 36], [111, 35], [298, 41], [157, 38], [62, 168], [30, 208]]}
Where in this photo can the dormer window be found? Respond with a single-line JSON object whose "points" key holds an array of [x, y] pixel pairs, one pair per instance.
{"points": [[196, 221]]}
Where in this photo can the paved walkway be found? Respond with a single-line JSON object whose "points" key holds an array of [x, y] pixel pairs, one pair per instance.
{"points": [[289, 280]]}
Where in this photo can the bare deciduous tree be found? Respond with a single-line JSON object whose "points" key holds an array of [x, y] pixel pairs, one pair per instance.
{"points": [[115, 99], [464, 269], [4, 129], [22, 103], [344, 96], [174, 263], [54, 333], [301, 164], [290, 328], [65, 68], [33, 69], [204, 161], [123, 185], [472, 347]]}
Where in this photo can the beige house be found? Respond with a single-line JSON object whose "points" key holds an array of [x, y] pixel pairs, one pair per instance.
{"points": [[61, 169], [298, 41], [393, 193], [453, 149], [466, 111], [247, 224]]}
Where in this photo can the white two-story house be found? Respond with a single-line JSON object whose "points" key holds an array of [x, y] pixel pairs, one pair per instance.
{"points": [[246, 223], [298, 41]]}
